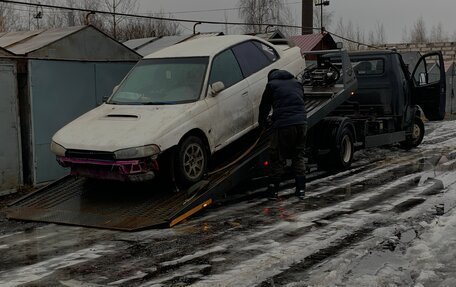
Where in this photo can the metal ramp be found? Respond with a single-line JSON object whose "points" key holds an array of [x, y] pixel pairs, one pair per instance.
{"points": [[126, 206]]}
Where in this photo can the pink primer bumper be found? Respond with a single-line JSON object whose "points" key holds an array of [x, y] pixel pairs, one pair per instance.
{"points": [[136, 170]]}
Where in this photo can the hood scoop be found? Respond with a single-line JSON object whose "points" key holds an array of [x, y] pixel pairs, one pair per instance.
{"points": [[122, 116]]}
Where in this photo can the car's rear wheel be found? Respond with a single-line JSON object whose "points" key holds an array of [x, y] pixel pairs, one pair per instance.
{"points": [[191, 161], [341, 155]]}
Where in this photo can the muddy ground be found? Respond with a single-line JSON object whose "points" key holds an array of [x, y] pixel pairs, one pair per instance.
{"points": [[373, 225]]}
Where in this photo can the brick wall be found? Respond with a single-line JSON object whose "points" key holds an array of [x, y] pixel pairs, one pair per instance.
{"points": [[447, 48]]}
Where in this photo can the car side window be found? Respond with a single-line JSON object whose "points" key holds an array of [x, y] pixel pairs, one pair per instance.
{"points": [[270, 53], [250, 57], [225, 68]]}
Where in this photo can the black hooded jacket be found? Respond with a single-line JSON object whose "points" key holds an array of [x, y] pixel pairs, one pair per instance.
{"points": [[285, 95]]}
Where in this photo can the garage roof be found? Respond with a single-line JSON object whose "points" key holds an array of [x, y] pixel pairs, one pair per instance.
{"points": [[311, 41], [77, 42]]}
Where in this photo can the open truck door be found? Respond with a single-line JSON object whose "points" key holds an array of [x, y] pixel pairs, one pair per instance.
{"points": [[429, 86]]}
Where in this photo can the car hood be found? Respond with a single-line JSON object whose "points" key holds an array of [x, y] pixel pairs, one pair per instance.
{"points": [[113, 127]]}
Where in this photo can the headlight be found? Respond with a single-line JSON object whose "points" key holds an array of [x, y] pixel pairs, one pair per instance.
{"points": [[138, 152], [57, 149]]}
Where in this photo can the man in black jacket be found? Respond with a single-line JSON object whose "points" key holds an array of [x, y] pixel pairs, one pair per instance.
{"points": [[285, 95]]}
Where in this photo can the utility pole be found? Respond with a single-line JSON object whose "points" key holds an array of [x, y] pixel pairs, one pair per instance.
{"points": [[321, 4], [307, 17], [114, 19]]}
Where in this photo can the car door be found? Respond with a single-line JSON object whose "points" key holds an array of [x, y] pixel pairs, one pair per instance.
{"points": [[231, 109], [429, 86], [256, 60]]}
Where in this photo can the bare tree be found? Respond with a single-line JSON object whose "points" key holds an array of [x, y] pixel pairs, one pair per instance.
{"points": [[418, 33], [8, 18], [143, 28], [438, 34], [119, 6], [351, 34], [378, 35], [256, 13]]}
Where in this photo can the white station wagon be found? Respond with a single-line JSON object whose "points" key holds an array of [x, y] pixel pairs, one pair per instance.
{"points": [[193, 98]]}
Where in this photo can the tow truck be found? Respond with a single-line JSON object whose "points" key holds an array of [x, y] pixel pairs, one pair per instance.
{"points": [[337, 127]]}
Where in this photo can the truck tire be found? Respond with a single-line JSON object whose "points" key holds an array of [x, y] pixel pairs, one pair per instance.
{"points": [[416, 137], [191, 160], [341, 155]]}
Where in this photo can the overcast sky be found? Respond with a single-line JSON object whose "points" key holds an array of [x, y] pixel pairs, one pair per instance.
{"points": [[394, 14]]}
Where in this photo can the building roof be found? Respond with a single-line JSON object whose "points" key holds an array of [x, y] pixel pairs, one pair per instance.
{"points": [[201, 47], [135, 44], [4, 52], [310, 42], [24, 42], [75, 43], [160, 43]]}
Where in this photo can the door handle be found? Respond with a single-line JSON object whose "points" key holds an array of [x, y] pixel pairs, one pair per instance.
{"points": [[245, 94]]}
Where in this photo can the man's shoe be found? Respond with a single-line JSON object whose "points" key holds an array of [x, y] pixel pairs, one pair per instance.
{"points": [[300, 186], [300, 193]]}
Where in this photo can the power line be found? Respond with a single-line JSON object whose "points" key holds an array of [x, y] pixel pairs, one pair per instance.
{"points": [[353, 41], [220, 9], [151, 17]]}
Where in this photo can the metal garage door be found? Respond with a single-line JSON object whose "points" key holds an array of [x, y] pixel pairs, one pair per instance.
{"points": [[60, 92], [10, 152]]}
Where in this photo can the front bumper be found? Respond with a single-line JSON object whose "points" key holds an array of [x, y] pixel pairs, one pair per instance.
{"points": [[135, 170]]}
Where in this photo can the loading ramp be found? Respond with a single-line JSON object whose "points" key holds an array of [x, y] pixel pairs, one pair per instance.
{"points": [[129, 207]]}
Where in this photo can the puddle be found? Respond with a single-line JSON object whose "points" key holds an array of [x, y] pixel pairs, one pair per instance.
{"points": [[373, 263]]}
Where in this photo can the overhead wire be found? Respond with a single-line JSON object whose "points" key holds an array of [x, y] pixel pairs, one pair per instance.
{"points": [[49, 6]]}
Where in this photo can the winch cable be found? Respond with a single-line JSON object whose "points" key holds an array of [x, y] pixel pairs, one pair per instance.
{"points": [[242, 156]]}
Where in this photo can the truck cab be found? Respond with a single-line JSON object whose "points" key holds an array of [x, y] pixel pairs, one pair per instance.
{"points": [[391, 100]]}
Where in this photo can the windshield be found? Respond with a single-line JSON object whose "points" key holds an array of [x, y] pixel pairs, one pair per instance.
{"points": [[162, 81]]}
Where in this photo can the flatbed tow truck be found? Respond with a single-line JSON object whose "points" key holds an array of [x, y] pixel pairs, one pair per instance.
{"points": [[131, 207]]}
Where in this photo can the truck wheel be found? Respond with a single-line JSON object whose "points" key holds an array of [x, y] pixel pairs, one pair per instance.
{"points": [[416, 137], [341, 156], [191, 161]]}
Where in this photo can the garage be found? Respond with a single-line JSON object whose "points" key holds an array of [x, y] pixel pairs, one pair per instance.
{"points": [[59, 74]]}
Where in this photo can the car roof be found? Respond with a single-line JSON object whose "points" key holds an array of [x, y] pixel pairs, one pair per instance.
{"points": [[202, 47]]}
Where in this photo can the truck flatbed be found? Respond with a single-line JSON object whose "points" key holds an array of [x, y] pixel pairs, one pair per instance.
{"points": [[130, 207]]}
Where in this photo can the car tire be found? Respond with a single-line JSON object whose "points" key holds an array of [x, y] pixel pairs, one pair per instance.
{"points": [[416, 137], [340, 156], [191, 160]]}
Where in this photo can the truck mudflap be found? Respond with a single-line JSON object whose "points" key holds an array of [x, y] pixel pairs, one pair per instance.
{"points": [[80, 201]]}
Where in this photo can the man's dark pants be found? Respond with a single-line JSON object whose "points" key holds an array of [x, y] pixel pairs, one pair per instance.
{"points": [[288, 143]]}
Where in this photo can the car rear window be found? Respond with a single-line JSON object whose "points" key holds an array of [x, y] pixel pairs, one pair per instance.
{"points": [[268, 51], [250, 58]]}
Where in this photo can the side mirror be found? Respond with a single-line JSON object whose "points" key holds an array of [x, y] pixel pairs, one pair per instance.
{"points": [[115, 89], [423, 80], [217, 87]]}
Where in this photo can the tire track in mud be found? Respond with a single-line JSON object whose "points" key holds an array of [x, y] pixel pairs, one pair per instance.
{"points": [[299, 272], [284, 237]]}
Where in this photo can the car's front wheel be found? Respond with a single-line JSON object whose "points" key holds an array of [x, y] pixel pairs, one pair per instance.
{"points": [[191, 161]]}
